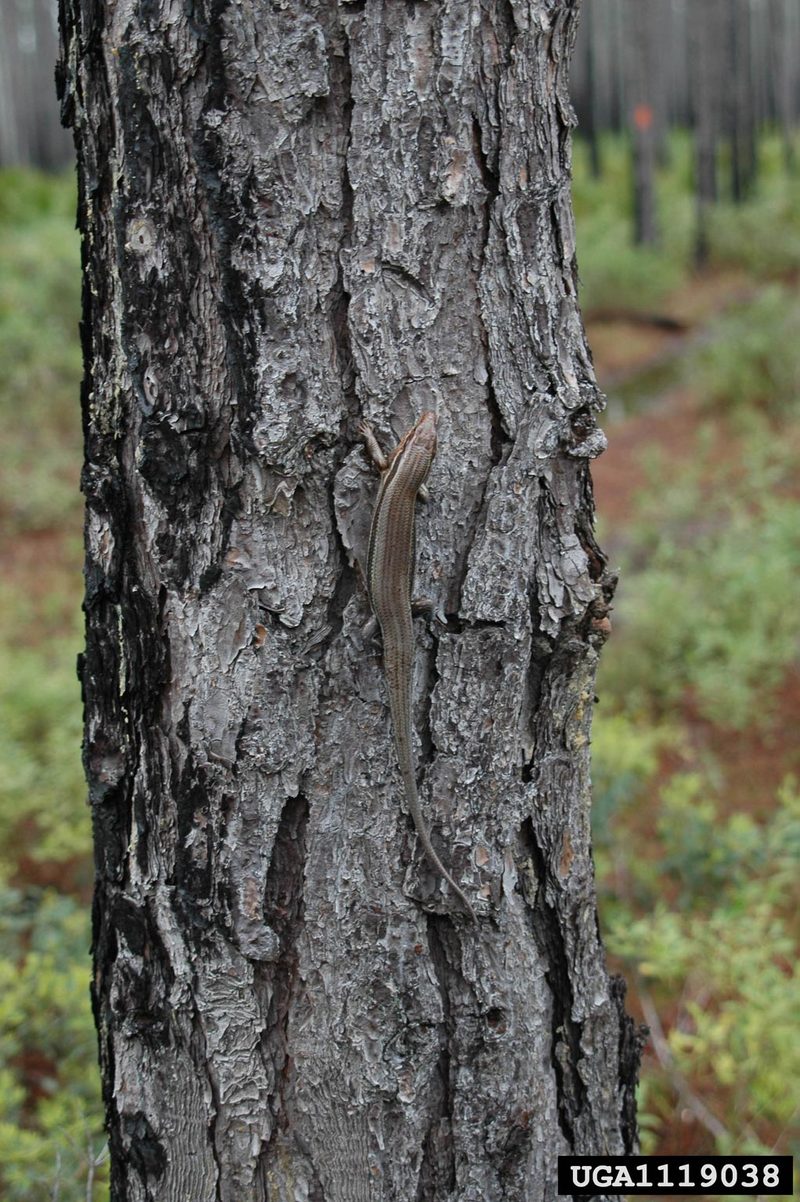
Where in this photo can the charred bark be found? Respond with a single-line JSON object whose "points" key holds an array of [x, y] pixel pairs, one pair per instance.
{"points": [[295, 216]]}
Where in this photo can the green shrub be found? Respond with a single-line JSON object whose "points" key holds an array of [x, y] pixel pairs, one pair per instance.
{"points": [[624, 759], [51, 1116], [706, 605], [762, 236], [752, 355], [40, 357], [615, 274], [42, 788], [729, 956]]}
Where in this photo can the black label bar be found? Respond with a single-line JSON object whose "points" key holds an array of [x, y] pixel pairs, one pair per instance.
{"points": [[634, 1176]]}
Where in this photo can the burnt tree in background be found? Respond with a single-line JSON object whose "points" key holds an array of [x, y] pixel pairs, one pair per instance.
{"points": [[704, 31], [727, 68], [30, 131], [293, 218], [646, 112], [783, 66], [742, 93]]}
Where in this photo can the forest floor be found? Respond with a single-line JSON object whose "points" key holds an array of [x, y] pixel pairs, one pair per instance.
{"points": [[739, 771], [670, 416]]}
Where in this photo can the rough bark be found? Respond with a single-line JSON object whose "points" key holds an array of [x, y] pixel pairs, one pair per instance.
{"points": [[293, 216]]}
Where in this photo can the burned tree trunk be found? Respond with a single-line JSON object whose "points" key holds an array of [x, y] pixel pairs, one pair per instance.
{"points": [[295, 217], [705, 29], [644, 118]]}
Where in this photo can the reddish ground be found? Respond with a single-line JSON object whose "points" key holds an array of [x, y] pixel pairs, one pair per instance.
{"points": [[752, 763]]}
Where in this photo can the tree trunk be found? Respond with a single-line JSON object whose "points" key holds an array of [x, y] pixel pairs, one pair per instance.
{"points": [[30, 132], [740, 101], [704, 31], [643, 118], [293, 217], [592, 115], [786, 74]]}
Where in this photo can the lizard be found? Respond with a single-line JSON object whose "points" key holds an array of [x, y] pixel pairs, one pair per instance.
{"points": [[389, 576]]}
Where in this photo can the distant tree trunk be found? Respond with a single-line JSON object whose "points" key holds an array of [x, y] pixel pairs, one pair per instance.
{"points": [[293, 217], [704, 31], [642, 96], [678, 73], [51, 148], [586, 85], [30, 131], [785, 63], [618, 57], [10, 133], [741, 99]]}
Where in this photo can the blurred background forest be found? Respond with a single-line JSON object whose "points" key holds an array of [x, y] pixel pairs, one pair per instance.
{"points": [[687, 203]]}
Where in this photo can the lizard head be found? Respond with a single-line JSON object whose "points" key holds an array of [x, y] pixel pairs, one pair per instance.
{"points": [[423, 434]]}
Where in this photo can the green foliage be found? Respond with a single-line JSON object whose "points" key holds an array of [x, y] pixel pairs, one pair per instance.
{"points": [[614, 273], [707, 606], [51, 1119], [760, 236], [42, 788], [729, 952], [624, 758], [752, 355], [763, 234], [28, 197], [40, 360]]}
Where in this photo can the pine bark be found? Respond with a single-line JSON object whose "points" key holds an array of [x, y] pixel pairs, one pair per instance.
{"points": [[295, 216]]}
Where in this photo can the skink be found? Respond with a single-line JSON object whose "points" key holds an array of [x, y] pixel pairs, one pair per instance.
{"points": [[390, 571]]}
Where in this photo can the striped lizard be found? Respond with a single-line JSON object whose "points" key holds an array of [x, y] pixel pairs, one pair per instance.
{"points": [[390, 571]]}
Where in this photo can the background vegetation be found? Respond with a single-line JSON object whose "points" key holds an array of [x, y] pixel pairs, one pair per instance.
{"points": [[696, 762]]}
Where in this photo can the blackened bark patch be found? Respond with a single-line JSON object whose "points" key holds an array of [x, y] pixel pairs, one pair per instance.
{"points": [[283, 910], [194, 845], [144, 1149], [104, 951], [632, 1039]]}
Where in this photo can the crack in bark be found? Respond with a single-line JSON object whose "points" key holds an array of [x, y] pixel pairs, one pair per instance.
{"points": [[566, 1033], [438, 1169], [284, 908], [499, 439], [341, 314]]}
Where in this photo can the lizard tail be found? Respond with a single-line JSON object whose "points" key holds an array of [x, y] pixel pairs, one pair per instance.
{"points": [[422, 832]]}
